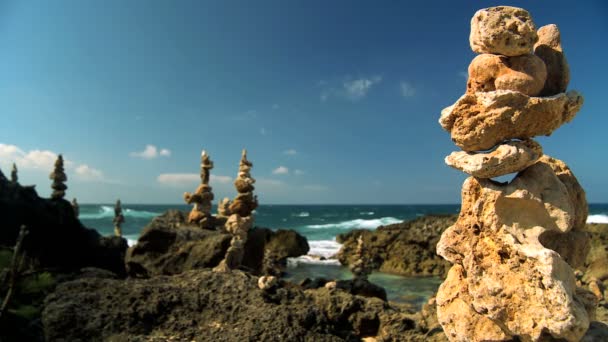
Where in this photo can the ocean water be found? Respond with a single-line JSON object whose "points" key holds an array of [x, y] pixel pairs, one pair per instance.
{"points": [[320, 224]]}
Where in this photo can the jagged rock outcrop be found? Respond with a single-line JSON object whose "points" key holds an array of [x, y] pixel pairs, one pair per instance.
{"points": [[217, 306], [515, 244], [57, 239], [406, 248], [170, 245]]}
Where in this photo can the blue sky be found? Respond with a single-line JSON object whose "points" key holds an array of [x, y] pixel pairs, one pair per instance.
{"points": [[336, 101]]}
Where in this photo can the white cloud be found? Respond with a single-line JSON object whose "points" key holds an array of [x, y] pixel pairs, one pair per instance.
{"points": [[299, 172], [351, 89], [44, 160], [357, 89], [263, 131], [281, 170], [290, 152], [180, 179], [87, 173], [151, 152], [407, 90]]}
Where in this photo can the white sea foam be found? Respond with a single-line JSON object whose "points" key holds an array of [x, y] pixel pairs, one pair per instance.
{"points": [[131, 239], [106, 211], [366, 213], [358, 223], [301, 214], [598, 218], [307, 259]]}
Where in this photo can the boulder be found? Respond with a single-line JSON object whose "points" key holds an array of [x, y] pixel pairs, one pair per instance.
{"points": [[169, 245], [507, 158], [503, 278], [482, 120], [503, 30], [526, 74], [549, 49], [406, 248]]}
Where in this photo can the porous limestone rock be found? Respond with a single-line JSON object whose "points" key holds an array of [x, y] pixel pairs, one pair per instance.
{"points": [[238, 227], [481, 120], [503, 30], [245, 202], [526, 74], [507, 158], [203, 196], [266, 283], [501, 271], [549, 49]]}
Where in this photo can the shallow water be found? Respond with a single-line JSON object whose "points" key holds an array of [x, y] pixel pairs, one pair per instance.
{"points": [[410, 290]]}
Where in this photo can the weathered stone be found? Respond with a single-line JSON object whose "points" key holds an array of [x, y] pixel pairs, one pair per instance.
{"points": [[502, 272], [549, 49], [502, 30], [482, 120], [201, 198], [507, 158], [266, 283], [59, 178], [526, 74]]}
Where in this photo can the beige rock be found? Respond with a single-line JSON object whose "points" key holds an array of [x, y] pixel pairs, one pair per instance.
{"points": [[266, 283], [595, 288], [503, 30], [549, 49], [331, 285], [507, 158], [481, 120], [526, 74], [502, 272]]}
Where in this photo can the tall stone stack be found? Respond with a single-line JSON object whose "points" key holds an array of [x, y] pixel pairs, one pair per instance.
{"points": [[14, 176], [245, 202], [515, 244], [59, 178], [202, 197], [119, 218], [240, 220], [361, 268]]}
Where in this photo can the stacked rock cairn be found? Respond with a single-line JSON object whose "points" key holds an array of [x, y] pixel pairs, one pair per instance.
{"points": [[14, 176], [360, 268], [119, 219], [240, 220], [59, 178], [202, 196], [76, 207], [515, 244]]}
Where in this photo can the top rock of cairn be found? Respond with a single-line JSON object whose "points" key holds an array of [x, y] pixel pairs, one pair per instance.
{"points": [[503, 30]]}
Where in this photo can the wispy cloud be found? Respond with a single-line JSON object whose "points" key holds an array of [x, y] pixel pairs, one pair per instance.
{"points": [[151, 152], [290, 152], [44, 160], [463, 74], [315, 187], [275, 106], [181, 179], [298, 172], [351, 89], [263, 131], [267, 182], [407, 89], [281, 170]]}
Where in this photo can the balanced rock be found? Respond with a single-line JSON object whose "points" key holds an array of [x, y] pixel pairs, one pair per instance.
{"points": [[549, 49], [526, 74], [507, 158], [481, 120], [503, 30], [502, 271]]}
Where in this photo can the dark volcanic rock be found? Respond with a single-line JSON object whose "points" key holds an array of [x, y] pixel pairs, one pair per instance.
{"points": [[202, 305], [56, 237], [406, 248], [168, 245]]}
